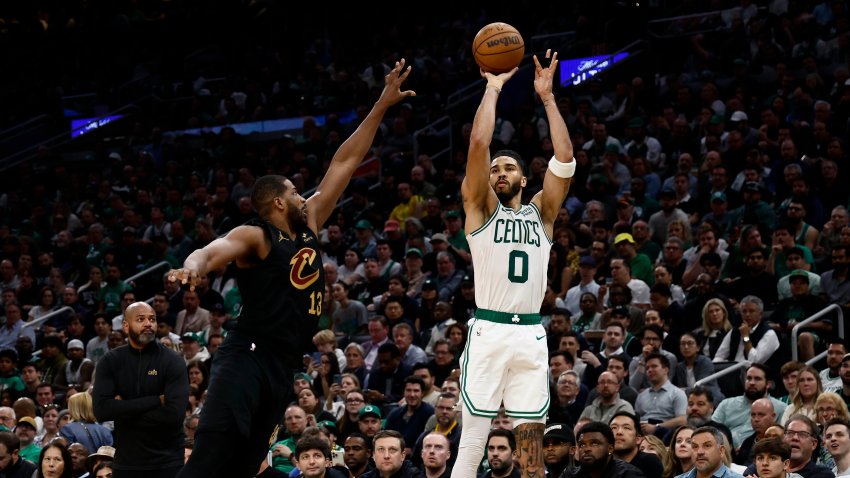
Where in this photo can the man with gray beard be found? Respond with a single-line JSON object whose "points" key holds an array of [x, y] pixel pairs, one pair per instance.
{"points": [[143, 387]]}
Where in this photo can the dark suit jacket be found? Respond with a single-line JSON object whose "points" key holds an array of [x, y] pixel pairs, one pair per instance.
{"points": [[391, 386]]}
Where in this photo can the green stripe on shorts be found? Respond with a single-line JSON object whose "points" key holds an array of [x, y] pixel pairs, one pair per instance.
{"points": [[471, 407], [507, 317]]}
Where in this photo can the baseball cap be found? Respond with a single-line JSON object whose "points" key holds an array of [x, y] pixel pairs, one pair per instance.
{"points": [[738, 116], [798, 273], [105, 452], [429, 284], [612, 148], [29, 421], [752, 186], [370, 410], [845, 358], [467, 279], [129, 230], [716, 119], [414, 251], [191, 337], [218, 308], [329, 425], [391, 225], [559, 431], [439, 237], [587, 261], [667, 192], [76, 344], [718, 196], [624, 236], [115, 155], [453, 214], [363, 224], [303, 376]]}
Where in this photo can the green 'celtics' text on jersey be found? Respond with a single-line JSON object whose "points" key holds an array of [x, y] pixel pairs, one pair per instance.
{"points": [[510, 254]]}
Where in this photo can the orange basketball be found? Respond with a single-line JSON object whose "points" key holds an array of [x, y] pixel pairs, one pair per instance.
{"points": [[498, 47]]}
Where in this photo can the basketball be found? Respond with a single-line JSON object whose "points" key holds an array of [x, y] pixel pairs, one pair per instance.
{"points": [[498, 47]]}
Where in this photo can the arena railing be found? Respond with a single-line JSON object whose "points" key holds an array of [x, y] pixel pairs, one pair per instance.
{"points": [[57, 141], [44, 318], [435, 129], [795, 332], [157, 266]]}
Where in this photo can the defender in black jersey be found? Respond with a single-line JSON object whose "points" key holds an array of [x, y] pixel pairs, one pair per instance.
{"points": [[281, 281]]}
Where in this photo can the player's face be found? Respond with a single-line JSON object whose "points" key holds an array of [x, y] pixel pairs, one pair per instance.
{"points": [[296, 205], [506, 179]]}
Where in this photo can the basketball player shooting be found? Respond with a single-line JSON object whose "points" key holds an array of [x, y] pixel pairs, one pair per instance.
{"points": [[505, 359]]}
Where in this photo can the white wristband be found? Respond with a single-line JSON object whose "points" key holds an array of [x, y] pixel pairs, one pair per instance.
{"points": [[562, 170]]}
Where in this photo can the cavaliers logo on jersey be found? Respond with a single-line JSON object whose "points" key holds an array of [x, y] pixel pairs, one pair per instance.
{"points": [[303, 273]]}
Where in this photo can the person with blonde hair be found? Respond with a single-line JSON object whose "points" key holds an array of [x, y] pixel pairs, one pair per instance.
{"points": [[325, 341], [681, 229], [715, 324], [654, 446], [809, 386], [829, 406], [83, 427]]}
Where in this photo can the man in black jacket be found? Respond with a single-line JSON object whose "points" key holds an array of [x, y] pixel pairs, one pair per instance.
{"points": [[144, 388], [596, 455], [15, 466]]}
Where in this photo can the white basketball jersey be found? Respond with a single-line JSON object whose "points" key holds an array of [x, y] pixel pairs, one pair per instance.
{"points": [[510, 255]]}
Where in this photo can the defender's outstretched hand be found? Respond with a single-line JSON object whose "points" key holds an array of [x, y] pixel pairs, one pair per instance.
{"points": [[185, 276], [392, 92]]}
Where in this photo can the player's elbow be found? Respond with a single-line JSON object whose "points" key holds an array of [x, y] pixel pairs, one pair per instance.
{"points": [[479, 142]]}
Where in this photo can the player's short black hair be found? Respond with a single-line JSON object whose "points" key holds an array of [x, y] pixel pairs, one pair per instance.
{"points": [[512, 154]]}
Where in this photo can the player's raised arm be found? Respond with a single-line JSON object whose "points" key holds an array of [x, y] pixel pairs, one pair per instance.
{"points": [[351, 152], [241, 243], [476, 190], [556, 182]]}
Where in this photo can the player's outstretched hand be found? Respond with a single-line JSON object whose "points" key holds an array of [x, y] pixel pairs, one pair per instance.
{"points": [[185, 276], [392, 92]]}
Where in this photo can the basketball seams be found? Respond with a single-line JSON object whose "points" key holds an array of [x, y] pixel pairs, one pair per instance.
{"points": [[498, 47]]}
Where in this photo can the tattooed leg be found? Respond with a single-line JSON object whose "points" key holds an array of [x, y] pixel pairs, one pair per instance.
{"points": [[529, 444]]}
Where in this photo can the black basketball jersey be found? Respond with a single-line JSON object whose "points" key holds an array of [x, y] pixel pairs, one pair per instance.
{"points": [[282, 295]]}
